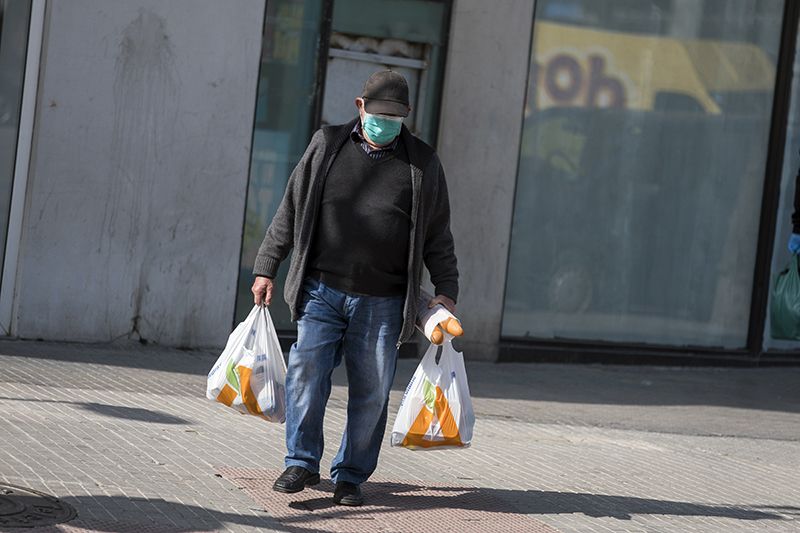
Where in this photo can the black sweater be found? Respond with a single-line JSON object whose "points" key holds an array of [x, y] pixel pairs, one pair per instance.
{"points": [[364, 222]]}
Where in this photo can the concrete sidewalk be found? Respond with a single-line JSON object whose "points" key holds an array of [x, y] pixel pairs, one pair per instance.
{"points": [[125, 436]]}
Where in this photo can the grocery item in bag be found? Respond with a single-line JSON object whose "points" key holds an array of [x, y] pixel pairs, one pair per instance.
{"points": [[436, 323]]}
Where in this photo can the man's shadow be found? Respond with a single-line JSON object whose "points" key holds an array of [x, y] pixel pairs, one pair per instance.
{"points": [[402, 497], [120, 513]]}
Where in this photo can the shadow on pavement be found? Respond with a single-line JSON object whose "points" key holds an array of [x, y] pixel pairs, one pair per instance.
{"points": [[403, 506], [317, 514], [772, 389], [132, 413], [114, 411], [119, 514], [403, 496], [129, 354]]}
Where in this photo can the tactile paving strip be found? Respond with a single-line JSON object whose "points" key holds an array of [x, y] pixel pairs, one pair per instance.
{"points": [[390, 506]]}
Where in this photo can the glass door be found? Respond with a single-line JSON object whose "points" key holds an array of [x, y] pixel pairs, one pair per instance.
{"points": [[18, 73], [14, 25], [790, 182], [287, 88]]}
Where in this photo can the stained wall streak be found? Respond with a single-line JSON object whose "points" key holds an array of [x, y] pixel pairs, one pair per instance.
{"points": [[142, 145]]}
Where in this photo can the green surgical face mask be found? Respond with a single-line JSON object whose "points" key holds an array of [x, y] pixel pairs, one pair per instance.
{"points": [[381, 129]]}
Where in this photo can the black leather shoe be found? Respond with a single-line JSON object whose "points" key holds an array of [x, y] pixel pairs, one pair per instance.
{"points": [[295, 479], [348, 494]]}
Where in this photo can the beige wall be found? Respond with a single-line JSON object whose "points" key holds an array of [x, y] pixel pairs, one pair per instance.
{"points": [[138, 176]]}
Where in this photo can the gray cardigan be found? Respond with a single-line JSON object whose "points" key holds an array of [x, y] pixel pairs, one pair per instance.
{"points": [[431, 241]]}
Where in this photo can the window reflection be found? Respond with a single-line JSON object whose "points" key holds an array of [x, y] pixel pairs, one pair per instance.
{"points": [[791, 168], [283, 123], [640, 173], [14, 22]]}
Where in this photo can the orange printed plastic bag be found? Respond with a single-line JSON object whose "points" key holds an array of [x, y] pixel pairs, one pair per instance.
{"points": [[436, 410], [250, 375]]}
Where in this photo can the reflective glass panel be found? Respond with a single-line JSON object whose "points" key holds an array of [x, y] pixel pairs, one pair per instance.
{"points": [[789, 186], [14, 24], [283, 127], [641, 170]]}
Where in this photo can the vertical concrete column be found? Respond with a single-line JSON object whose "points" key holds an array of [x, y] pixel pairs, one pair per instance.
{"points": [[479, 134]]}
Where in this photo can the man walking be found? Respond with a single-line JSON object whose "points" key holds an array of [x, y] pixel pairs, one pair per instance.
{"points": [[364, 209]]}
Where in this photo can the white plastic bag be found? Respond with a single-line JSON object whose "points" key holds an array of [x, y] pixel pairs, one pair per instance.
{"points": [[250, 374], [436, 410]]}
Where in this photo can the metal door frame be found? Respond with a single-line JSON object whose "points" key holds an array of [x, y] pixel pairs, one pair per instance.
{"points": [[19, 187]]}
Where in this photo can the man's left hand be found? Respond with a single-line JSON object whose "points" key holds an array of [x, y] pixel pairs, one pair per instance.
{"points": [[448, 304]]}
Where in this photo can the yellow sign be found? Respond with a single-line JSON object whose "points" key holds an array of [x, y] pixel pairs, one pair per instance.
{"points": [[582, 67]]}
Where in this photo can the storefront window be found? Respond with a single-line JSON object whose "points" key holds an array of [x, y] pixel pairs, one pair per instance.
{"points": [[791, 168], [14, 23], [283, 126], [641, 170]]}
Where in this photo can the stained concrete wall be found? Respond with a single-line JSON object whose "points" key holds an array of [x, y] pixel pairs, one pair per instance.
{"points": [[479, 130], [139, 172]]}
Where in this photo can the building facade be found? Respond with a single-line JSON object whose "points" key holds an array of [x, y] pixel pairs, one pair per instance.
{"points": [[621, 172]]}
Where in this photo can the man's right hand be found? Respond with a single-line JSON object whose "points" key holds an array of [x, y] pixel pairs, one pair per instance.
{"points": [[262, 290]]}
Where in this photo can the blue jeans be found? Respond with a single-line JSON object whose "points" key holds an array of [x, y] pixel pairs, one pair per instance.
{"points": [[364, 331]]}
